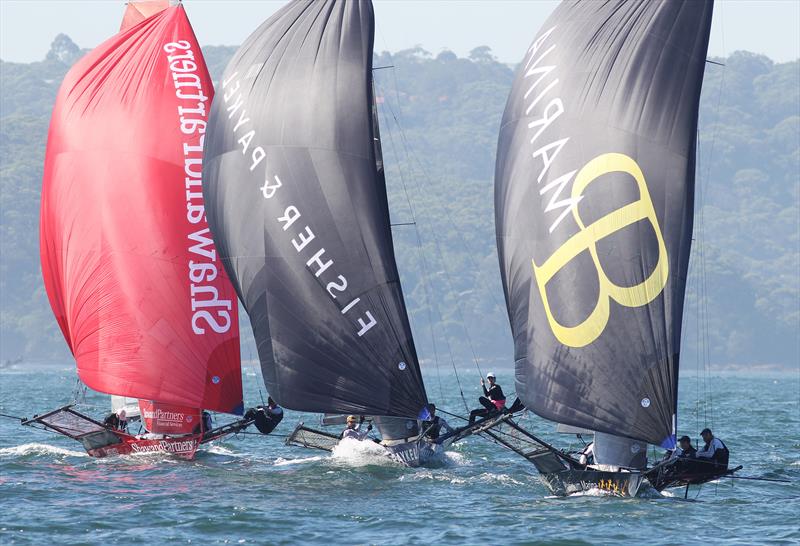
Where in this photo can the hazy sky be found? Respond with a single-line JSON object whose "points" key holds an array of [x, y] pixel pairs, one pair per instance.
{"points": [[27, 27]]}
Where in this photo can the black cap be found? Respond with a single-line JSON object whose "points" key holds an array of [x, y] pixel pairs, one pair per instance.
{"points": [[685, 439], [705, 431]]}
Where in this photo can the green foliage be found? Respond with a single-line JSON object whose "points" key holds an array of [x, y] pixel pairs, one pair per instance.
{"points": [[439, 119]]}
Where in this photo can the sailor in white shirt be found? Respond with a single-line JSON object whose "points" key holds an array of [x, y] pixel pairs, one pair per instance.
{"points": [[714, 449], [353, 430]]}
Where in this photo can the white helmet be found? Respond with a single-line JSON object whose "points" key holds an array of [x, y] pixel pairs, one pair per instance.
{"points": [[490, 374]]}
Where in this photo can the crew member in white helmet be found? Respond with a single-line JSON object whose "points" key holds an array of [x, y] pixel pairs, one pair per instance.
{"points": [[493, 399]]}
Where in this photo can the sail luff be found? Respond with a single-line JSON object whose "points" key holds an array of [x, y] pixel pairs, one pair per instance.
{"points": [[593, 198]]}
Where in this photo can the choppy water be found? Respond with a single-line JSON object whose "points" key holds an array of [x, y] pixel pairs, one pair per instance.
{"points": [[253, 489]]}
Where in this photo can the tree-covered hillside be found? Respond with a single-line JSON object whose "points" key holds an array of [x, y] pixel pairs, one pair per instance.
{"points": [[439, 123]]}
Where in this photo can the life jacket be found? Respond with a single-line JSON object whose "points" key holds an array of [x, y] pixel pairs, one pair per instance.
{"points": [[499, 404], [432, 428], [721, 456], [112, 421]]}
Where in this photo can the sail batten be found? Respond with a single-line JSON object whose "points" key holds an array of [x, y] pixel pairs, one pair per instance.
{"points": [[594, 187], [298, 207]]}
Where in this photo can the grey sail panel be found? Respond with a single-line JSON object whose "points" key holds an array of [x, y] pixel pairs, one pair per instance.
{"points": [[616, 451], [299, 213], [594, 188]]}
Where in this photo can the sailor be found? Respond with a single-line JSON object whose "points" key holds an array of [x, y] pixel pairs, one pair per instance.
{"points": [[493, 399], [207, 423], [587, 455], [685, 449], [435, 425], [274, 413], [353, 430], [714, 450], [266, 419], [117, 420]]}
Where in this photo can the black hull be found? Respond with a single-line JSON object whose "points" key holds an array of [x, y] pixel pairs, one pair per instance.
{"points": [[570, 482], [560, 472], [685, 472]]}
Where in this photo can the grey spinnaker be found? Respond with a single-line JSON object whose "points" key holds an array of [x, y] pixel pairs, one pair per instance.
{"points": [[594, 187], [298, 209]]}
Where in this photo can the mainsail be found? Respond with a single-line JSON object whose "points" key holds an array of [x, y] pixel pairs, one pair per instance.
{"points": [[594, 191], [299, 213], [127, 258]]}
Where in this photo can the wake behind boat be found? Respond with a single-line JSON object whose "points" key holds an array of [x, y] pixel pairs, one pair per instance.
{"points": [[413, 450], [128, 262]]}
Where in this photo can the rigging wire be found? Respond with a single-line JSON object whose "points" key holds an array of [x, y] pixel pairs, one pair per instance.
{"points": [[700, 277], [706, 348], [409, 155], [428, 301], [79, 394], [425, 268]]}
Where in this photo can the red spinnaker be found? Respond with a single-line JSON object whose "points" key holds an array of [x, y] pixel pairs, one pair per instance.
{"points": [[128, 262]]}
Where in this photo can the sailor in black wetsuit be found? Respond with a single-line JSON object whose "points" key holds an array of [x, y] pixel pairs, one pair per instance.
{"points": [[682, 457], [266, 419], [205, 424], [434, 427], [117, 420], [493, 400], [685, 449]]}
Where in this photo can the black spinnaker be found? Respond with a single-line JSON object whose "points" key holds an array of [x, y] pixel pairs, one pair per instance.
{"points": [[299, 213], [594, 189]]}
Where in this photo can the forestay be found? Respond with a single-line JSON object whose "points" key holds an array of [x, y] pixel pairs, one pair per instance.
{"points": [[594, 201], [299, 213]]}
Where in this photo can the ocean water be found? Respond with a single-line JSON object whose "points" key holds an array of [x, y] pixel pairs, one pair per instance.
{"points": [[254, 490]]}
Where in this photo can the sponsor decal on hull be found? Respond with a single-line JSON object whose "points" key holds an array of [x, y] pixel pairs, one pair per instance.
{"points": [[182, 447]]}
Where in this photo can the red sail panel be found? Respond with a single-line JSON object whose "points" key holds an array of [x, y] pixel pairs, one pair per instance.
{"points": [[168, 419], [128, 262], [136, 12]]}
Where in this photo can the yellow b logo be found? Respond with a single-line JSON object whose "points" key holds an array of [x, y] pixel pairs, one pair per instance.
{"points": [[587, 238]]}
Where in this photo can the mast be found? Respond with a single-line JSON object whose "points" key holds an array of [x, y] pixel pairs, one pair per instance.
{"points": [[594, 196], [296, 200]]}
